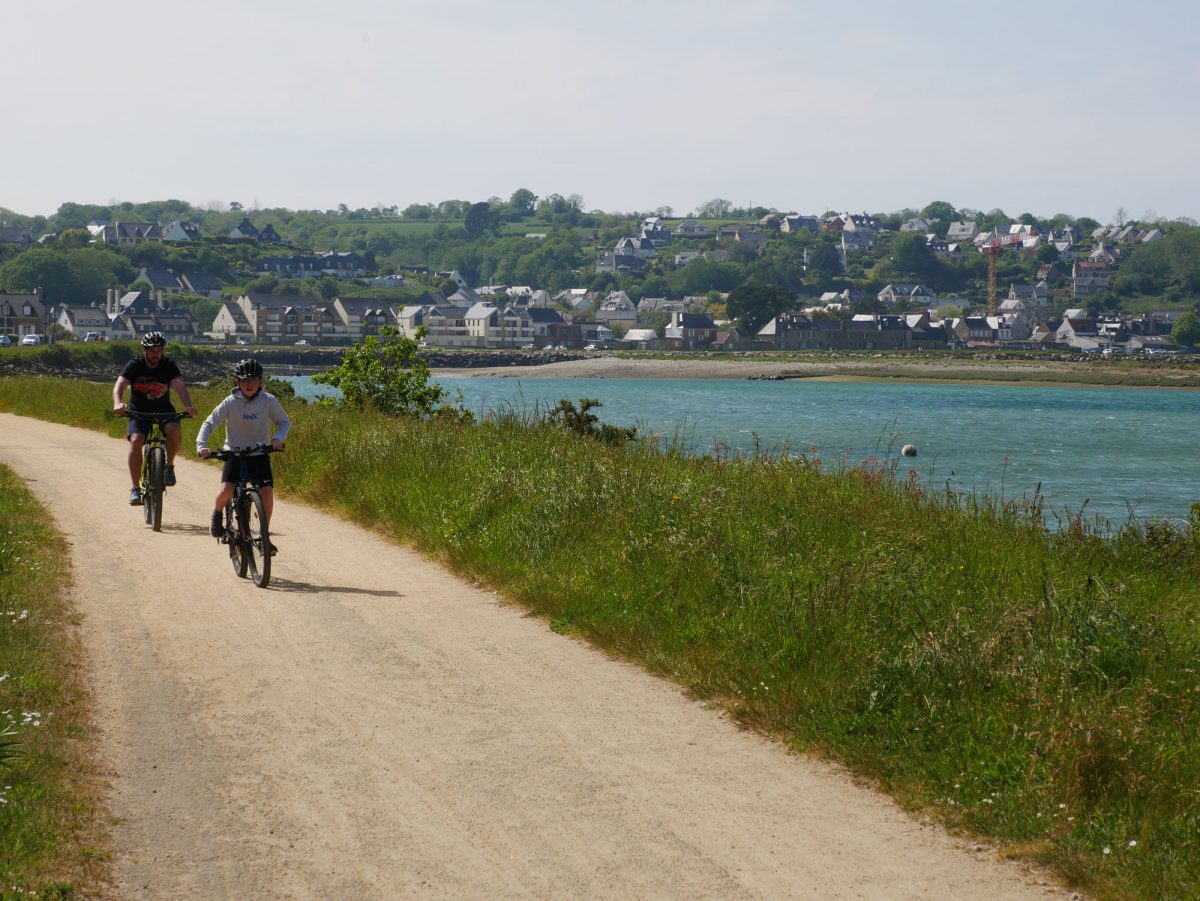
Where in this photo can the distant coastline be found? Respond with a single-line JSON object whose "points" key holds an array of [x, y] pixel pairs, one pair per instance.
{"points": [[994, 372]]}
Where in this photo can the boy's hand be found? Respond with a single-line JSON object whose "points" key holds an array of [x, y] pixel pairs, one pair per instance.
{"points": [[204, 452], [276, 444]]}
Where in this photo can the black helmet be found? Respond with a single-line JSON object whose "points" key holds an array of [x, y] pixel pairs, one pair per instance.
{"points": [[154, 339], [248, 368]]}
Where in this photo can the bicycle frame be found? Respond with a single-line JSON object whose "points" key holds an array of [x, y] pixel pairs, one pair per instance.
{"points": [[154, 465], [246, 530]]}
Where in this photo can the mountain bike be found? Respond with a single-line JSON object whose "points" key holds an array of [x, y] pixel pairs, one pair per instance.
{"points": [[246, 532], [154, 465]]}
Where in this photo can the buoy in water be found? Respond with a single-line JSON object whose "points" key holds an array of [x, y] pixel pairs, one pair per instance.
{"points": [[909, 450]]}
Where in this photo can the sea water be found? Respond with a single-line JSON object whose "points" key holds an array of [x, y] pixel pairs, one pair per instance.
{"points": [[1108, 452]]}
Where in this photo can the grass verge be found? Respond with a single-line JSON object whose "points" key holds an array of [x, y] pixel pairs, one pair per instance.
{"points": [[52, 836], [1039, 688]]}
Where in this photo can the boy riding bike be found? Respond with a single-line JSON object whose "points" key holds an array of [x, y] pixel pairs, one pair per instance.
{"points": [[152, 376], [251, 416]]}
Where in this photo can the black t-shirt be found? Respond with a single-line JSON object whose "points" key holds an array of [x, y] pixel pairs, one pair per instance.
{"points": [[150, 388]]}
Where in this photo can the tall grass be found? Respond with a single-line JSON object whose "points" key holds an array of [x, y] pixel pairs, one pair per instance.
{"points": [[51, 838], [1039, 687]]}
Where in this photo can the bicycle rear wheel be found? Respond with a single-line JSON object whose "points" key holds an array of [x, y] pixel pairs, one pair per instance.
{"points": [[233, 537], [258, 548], [158, 476]]}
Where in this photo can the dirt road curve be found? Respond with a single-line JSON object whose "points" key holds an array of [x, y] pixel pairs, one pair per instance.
{"points": [[372, 727]]}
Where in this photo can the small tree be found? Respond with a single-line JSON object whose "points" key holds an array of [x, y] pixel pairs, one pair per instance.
{"points": [[1186, 331], [387, 373], [583, 422]]}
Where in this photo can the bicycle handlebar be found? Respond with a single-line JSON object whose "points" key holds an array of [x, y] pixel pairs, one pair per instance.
{"points": [[239, 453], [155, 417]]}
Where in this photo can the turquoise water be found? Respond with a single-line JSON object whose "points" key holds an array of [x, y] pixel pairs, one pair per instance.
{"points": [[1117, 450]]}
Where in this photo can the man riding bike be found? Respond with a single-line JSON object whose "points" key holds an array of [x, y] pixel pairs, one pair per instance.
{"points": [[152, 376], [251, 417]]}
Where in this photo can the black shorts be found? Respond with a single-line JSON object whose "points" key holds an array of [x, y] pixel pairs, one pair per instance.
{"points": [[258, 469]]}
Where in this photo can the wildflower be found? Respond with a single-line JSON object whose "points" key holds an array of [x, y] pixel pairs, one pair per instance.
{"points": [[1132, 843], [1107, 849]]}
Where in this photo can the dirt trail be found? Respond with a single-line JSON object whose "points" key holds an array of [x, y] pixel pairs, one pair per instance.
{"points": [[373, 727]]}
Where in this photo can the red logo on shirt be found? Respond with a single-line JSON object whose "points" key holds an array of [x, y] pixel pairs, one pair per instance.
{"points": [[151, 389]]}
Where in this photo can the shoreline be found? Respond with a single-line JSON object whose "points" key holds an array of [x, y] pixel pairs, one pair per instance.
{"points": [[1050, 374]]}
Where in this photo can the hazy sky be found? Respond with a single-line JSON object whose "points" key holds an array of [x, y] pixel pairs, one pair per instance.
{"points": [[1068, 107]]}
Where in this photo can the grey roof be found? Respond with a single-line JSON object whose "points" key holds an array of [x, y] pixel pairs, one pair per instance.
{"points": [[160, 278], [544, 315], [696, 321], [200, 282], [481, 310], [244, 229]]}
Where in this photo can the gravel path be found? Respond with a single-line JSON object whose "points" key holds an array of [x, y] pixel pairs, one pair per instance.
{"points": [[373, 727]]}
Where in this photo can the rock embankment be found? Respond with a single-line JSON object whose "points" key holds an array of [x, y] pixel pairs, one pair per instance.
{"points": [[436, 358], [194, 371]]}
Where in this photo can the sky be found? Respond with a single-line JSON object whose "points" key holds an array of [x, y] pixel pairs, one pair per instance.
{"points": [[1060, 107]]}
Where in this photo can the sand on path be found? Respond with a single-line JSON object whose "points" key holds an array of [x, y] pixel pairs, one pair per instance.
{"points": [[371, 726]]}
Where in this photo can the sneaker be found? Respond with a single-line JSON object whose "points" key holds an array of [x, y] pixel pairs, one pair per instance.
{"points": [[216, 528], [135, 497], [274, 550], [170, 480]]}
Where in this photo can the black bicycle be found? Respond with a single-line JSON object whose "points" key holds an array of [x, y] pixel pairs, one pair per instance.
{"points": [[154, 464], [246, 532]]}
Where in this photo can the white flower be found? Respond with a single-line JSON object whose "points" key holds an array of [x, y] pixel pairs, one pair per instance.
{"points": [[1132, 843], [1107, 849]]}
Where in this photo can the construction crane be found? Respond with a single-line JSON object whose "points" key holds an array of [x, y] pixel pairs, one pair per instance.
{"points": [[993, 246]]}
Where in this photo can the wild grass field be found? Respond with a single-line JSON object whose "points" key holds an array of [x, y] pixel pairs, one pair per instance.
{"points": [[51, 805]]}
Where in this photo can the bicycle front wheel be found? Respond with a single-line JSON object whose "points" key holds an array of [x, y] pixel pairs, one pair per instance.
{"points": [[237, 546], [144, 487], [258, 548], [158, 477]]}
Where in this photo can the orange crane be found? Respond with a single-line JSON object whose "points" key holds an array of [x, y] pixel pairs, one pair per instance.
{"points": [[993, 246]]}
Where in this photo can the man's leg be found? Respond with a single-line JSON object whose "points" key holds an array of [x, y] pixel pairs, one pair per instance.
{"points": [[174, 439], [136, 442]]}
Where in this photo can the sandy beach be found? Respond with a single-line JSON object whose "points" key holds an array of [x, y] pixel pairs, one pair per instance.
{"points": [[604, 366]]}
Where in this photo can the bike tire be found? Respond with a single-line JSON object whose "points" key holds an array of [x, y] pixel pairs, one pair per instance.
{"points": [[258, 548], [237, 547], [158, 477], [144, 487]]}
